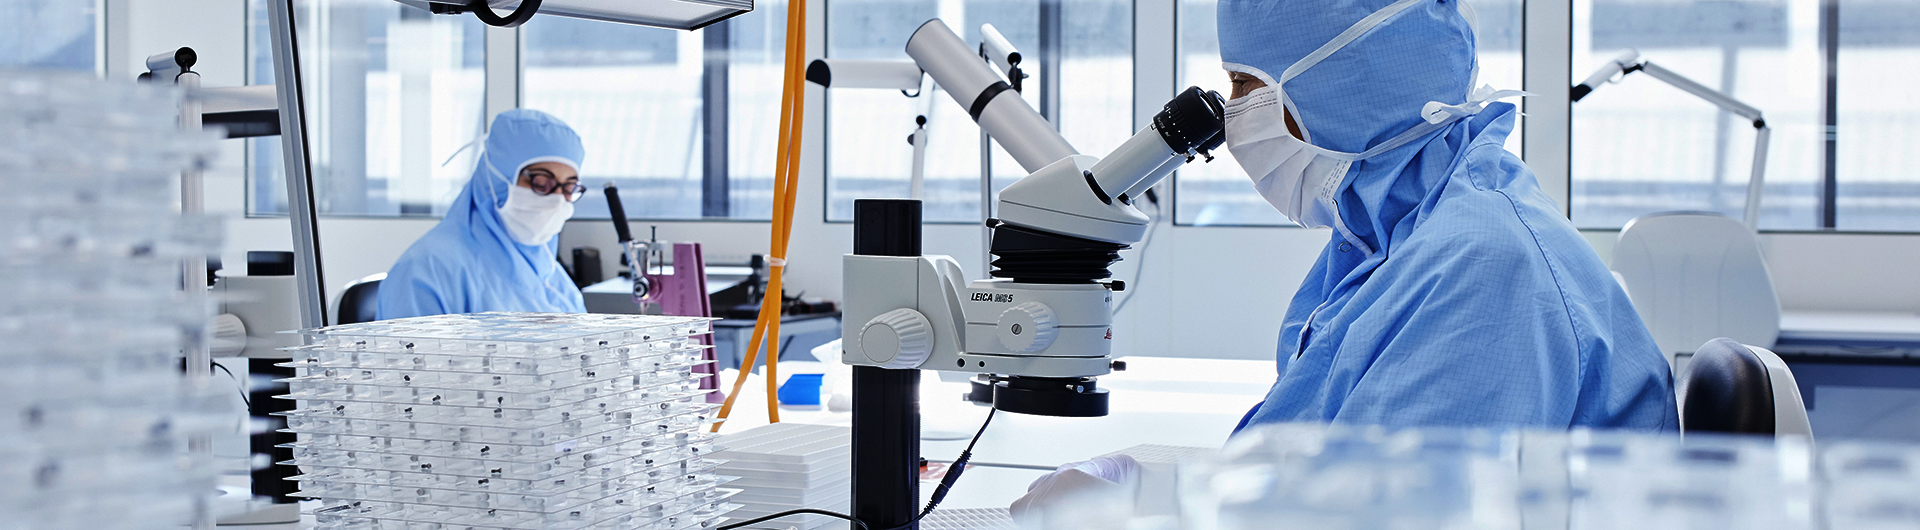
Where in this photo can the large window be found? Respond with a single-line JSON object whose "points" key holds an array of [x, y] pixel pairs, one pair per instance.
{"points": [[1087, 90], [1833, 79], [1219, 193], [60, 34], [391, 93], [684, 122], [1642, 146]]}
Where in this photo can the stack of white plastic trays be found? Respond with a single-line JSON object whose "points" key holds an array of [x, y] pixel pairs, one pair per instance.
{"points": [[94, 409], [507, 421], [784, 466]]}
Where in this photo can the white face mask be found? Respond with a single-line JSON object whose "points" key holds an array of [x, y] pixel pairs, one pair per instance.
{"points": [[532, 218], [1293, 176]]}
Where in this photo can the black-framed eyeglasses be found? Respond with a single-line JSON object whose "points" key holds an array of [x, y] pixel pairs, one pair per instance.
{"points": [[544, 183]]}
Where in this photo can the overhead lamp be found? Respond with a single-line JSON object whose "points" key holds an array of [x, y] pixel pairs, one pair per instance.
{"points": [[669, 14]]}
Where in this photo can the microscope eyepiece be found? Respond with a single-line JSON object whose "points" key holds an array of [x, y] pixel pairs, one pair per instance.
{"points": [[1192, 121]]}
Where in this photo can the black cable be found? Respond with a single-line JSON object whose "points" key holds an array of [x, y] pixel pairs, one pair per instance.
{"points": [[512, 20], [765, 518], [236, 381], [953, 474], [939, 493]]}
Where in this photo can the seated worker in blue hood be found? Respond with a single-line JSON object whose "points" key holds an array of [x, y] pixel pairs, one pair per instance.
{"points": [[494, 251], [1453, 292]]}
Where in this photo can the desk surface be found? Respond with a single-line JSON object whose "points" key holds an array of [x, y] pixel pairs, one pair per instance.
{"points": [[717, 278], [1856, 335], [1878, 326], [784, 319], [1164, 401], [1185, 402]]}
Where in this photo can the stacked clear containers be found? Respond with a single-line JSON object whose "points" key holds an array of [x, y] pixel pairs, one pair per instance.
{"points": [[507, 421], [94, 409]]}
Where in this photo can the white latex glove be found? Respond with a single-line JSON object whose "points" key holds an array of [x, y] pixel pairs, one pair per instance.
{"points": [[1096, 493]]}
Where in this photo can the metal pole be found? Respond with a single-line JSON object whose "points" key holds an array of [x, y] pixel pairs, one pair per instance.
{"points": [[1829, 194], [1757, 184], [1052, 44], [1723, 128], [199, 360], [886, 402], [293, 151], [917, 185], [715, 197], [986, 204]]}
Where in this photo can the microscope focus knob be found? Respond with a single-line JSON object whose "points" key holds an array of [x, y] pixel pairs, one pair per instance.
{"points": [[1028, 327], [901, 338]]}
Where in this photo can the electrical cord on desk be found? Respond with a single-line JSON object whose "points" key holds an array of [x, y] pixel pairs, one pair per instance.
{"points": [[236, 380], [765, 518], [953, 474], [939, 493]]}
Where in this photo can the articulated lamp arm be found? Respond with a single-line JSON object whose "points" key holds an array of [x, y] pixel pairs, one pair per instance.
{"points": [[1631, 62]]}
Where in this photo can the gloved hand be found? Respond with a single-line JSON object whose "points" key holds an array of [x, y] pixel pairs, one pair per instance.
{"points": [[1096, 493]]}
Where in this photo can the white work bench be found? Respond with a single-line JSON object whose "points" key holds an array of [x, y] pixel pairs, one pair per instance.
{"points": [[1157, 400], [1161, 401]]}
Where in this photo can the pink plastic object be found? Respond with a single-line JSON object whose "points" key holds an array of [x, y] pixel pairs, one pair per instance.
{"points": [[684, 293]]}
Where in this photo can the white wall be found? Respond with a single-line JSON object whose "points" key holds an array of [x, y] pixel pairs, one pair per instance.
{"points": [[1205, 292]]}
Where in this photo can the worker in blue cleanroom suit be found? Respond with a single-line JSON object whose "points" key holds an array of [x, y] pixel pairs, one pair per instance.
{"points": [[1453, 291], [494, 251]]}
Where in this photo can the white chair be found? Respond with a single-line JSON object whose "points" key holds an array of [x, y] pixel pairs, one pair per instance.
{"points": [[1736, 388], [1695, 277]]}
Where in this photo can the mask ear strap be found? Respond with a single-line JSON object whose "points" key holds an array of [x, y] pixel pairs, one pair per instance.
{"points": [[1436, 112], [1305, 135], [481, 161], [477, 141]]}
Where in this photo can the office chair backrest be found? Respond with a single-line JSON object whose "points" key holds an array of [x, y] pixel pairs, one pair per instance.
{"points": [[358, 303], [1697, 276], [1735, 388]]}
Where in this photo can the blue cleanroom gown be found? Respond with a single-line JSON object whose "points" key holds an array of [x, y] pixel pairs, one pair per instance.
{"points": [[468, 263], [1458, 294]]}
